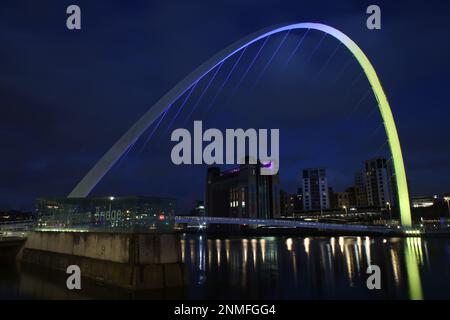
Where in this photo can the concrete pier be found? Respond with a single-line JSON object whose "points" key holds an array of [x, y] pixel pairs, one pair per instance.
{"points": [[128, 260]]}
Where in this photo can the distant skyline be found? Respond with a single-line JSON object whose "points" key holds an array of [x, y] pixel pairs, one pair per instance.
{"points": [[67, 96]]}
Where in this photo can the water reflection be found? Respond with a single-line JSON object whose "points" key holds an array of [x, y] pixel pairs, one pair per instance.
{"points": [[289, 244], [218, 250], [254, 252], [313, 267], [262, 244], [395, 266], [367, 250], [333, 245], [201, 262], [413, 257], [306, 243], [274, 268]]}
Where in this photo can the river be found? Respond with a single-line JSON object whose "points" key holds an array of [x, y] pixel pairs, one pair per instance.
{"points": [[273, 268]]}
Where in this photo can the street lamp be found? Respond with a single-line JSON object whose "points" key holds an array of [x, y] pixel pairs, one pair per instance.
{"points": [[111, 199], [345, 208], [447, 199], [388, 204]]}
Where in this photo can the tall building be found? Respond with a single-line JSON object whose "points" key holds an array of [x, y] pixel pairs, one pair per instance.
{"points": [[379, 182], [242, 192], [315, 189], [360, 190]]}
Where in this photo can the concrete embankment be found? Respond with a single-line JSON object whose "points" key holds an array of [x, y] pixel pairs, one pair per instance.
{"points": [[127, 260]]}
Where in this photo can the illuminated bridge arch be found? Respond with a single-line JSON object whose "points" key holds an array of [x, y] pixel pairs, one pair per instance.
{"points": [[85, 186]]}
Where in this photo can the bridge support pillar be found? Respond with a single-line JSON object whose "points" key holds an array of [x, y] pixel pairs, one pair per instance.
{"points": [[127, 260]]}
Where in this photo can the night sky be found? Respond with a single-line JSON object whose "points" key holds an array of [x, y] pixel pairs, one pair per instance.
{"points": [[67, 96]]}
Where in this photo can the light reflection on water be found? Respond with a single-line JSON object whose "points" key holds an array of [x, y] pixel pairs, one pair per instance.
{"points": [[317, 267], [274, 268], [413, 257]]}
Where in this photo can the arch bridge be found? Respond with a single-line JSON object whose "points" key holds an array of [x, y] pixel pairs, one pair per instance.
{"points": [[84, 187]]}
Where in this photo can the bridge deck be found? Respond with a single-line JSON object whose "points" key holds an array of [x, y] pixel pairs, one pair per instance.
{"points": [[282, 223], [30, 225]]}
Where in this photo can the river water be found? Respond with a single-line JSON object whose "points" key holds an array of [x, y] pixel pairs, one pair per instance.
{"points": [[274, 268]]}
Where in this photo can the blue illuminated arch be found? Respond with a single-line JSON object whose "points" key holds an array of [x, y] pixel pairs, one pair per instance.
{"points": [[91, 179]]}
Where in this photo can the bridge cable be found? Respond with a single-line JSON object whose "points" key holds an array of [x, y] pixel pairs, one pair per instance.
{"points": [[374, 132], [359, 102], [269, 61], [203, 92], [356, 79], [154, 129], [370, 114], [316, 48], [296, 48], [328, 61], [188, 95], [117, 164], [237, 86], [383, 145], [213, 100], [344, 67]]}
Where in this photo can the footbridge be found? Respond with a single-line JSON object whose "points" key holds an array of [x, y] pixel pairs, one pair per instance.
{"points": [[203, 221]]}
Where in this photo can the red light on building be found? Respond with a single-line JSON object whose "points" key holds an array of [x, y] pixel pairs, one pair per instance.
{"points": [[162, 217]]}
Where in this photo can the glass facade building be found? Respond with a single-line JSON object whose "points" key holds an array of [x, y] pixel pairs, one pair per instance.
{"points": [[128, 214]]}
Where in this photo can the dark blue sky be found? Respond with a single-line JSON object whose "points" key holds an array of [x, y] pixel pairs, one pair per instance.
{"points": [[67, 96]]}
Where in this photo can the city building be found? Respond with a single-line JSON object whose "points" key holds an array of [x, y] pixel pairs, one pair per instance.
{"points": [[199, 209], [333, 198], [284, 203], [431, 207], [127, 213], [315, 189], [360, 190], [15, 215], [380, 183], [291, 204], [424, 201], [242, 192], [351, 192], [298, 201], [343, 201]]}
